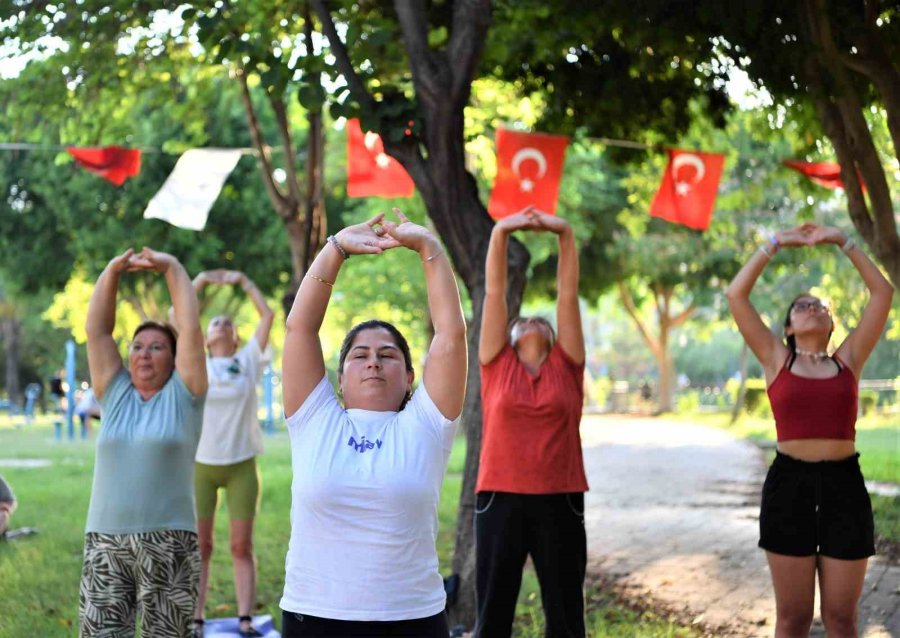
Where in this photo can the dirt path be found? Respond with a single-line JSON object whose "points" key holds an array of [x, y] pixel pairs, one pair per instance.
{"points": [[673, 514]]}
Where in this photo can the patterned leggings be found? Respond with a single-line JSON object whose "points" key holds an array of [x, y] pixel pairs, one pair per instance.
{"points": [[156, 572]]}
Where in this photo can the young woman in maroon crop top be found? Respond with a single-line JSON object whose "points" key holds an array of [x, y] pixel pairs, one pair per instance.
{"points": [[815, 514]]}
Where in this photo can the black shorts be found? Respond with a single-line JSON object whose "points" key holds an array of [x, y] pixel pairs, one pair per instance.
{"points": [[816, 508]]}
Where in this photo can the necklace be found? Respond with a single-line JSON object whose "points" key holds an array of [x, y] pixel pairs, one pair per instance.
{"points": [[814, 355]]}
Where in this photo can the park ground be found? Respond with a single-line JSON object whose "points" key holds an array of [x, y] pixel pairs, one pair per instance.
{"points": [[625, 596]]}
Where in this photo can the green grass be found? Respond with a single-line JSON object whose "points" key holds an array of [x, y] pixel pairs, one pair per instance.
{"points": [[877, 439], [39, 574], [878, 443]]}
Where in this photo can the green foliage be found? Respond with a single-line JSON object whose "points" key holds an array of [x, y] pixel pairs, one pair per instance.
{"points": [[755, 398], [598, 391], [886, 511], [616, 69], [868, 399]]}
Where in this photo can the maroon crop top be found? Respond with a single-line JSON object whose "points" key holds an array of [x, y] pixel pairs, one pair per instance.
{"points": [[806, 408]]}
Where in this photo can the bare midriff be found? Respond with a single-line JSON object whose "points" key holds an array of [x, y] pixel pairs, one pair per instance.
{"points": [[813, 450]]}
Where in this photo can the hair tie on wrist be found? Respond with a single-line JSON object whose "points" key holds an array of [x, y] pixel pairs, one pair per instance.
{"points": [[337, 246], [848, 245]]}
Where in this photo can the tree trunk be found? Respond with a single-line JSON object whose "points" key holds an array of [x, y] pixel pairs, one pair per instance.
{"points": [[742, 388], [659, 343], [666, 382], [464, 226], [840, 109], [302, 211], [442, 80], [11, 331]]}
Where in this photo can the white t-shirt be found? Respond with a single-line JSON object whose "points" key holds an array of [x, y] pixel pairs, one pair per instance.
{"points": [[231, 431], [364, 509]]}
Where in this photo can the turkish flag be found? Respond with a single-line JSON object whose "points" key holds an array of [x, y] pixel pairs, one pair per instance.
{"points": [[529, 169], [687, 194], [113, 163], [370, 171], [827, 174]]}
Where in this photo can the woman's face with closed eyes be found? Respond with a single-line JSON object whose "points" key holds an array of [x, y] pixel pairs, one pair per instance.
{"points": [[374, 375]]}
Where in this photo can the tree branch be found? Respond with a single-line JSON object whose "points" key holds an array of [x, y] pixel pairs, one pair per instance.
{"points": [[471, 21], [339, 50], [683, 316], [284, 131], [628, 302], [135, 303], [275, 195], [427, 72]]}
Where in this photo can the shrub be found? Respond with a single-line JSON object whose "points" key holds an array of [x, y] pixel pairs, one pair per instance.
{"points": [[868, 399], [755, 400]]}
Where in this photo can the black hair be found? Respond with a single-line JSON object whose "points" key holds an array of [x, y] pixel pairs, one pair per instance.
{"points": [[375, 324], [168, 330]]}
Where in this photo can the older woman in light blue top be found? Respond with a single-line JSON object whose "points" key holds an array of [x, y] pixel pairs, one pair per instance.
{"points": [[140, 550]]}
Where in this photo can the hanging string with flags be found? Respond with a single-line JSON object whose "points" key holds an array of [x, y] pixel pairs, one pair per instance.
{"points": [[529, 172]]}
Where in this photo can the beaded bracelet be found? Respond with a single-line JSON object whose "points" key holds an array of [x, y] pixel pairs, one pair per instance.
{"points": [[337, 246]]}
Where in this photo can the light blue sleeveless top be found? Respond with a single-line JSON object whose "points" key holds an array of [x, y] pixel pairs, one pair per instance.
{"points": [[144, 468]]}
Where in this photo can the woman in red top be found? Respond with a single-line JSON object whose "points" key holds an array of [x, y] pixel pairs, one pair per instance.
{"points": [[531, 482], [815, 514]]}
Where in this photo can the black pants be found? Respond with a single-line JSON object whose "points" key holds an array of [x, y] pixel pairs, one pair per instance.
{"points": [[297, 625], [549, 527]]}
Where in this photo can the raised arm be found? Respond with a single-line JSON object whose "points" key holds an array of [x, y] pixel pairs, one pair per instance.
{"points": [[568, 313], [236, 277], [303, 365], [104, 360], [447, 361], [190, 358], [266, 315], [858, 345], [768, 348], [494, 312]]}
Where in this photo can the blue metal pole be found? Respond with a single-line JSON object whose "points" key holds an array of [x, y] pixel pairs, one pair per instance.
{"points": [[269, 423], [70, 393]]}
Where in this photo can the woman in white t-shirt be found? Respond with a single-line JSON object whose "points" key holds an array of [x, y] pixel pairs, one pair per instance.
{"points": [[367, 475], [230, 443]]}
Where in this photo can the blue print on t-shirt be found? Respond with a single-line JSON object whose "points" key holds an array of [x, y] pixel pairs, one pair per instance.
{"points": [[363, 444]]}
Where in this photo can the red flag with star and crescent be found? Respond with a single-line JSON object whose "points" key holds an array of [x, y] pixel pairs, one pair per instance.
{"points": [[827, 174], [529, 169], [370, 171], [113, 163], [687, 194]]}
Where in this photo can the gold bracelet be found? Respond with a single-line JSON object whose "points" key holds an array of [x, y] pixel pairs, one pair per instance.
{"points": [[434, 256], [327, 283]]}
